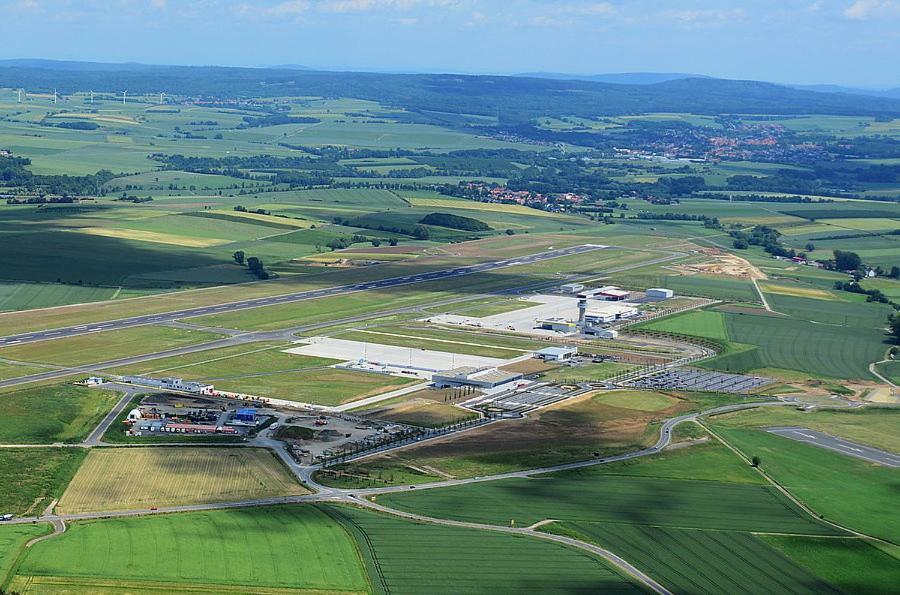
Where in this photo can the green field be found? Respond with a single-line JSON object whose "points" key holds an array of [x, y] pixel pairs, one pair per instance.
{"points": [[31, 477], [597, 497], [690, 561], [26, 296], [287, 547], [438, 559], [852, 565], [100, 347], [55, 413], [705, 323], [794, 344], [12, 542], [843, 489]]}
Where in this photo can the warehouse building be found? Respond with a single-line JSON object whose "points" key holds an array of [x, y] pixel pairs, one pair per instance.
{"points": [[660, 293], [473, 376], [559, 325], [556, 354], [606, 313], [571, 288]]}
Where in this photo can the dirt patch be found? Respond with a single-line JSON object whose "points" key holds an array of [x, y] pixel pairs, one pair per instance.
{"points": [[720, 263], [570, 430]]}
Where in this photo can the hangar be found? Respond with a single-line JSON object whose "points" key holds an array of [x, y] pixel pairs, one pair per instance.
{"points": [[473, 376]]}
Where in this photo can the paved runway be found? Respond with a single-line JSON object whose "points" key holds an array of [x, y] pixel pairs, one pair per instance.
{"points": [[822, 440], [290, 297]]}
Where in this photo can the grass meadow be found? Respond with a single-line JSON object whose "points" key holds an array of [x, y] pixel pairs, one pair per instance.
{"points": [[463, 560], [842, 489], [31, 477], [54, 413], [260, 549]]}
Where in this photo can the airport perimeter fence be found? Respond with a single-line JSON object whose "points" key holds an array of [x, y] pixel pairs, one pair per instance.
{"points": [[406, 438]]}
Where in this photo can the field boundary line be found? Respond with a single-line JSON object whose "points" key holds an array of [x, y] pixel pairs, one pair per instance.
{"points": [[613, 559]]}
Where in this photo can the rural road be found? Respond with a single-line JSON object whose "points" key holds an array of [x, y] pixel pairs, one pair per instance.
{"points": [[166, 317], [358, 497]]}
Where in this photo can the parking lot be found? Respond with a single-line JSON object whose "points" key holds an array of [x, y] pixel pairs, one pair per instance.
{"points": [[702, 380]]}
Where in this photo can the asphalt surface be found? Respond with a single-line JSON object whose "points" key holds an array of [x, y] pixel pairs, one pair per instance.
{"points": [[845, 447], [166, 317]]}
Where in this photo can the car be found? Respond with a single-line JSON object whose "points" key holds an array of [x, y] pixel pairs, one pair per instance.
{"points": [[6, 517]]}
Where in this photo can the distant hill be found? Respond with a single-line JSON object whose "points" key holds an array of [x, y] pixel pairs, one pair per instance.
{"points": [[892, 93], [515, 99], [620, 78]]}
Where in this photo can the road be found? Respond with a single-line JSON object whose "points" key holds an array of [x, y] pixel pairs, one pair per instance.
{"points": [[287, 298], [845, 447], [358, 497], [96, 437]]}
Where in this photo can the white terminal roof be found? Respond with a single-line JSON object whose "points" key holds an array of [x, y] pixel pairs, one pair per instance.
{"points": [[557, 351]]}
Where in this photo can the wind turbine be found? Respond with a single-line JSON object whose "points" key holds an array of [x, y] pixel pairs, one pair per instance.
{"points": [[161, 97], [124, 93], [92, 97], [54, 96], [19, 100]]}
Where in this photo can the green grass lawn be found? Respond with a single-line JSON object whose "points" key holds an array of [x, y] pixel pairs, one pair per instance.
{"points": [[845, 490], [419, 558], [704, 323], [642, 400], [586, 372], [719, 288], [491, 307], [852, 565], [99, 347], [690, 561], [588, 495], [25, 296], [891, 370], [291, 547], [31, 477], [8, 370], [790, 343], [55, 413], [12, 542]]}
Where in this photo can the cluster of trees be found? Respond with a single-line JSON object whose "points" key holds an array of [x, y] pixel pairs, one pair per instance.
{"points": [[254, 264], [276, 119], [13, 172], [712, 222], [243, 209], [419, 232], [455, 222], [762, 235], [873, 295]]}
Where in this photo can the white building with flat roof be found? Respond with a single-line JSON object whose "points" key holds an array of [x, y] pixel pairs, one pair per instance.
{"points": [[556, 354]]}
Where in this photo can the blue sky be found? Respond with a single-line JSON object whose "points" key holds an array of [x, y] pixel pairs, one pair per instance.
{"points": [[854, 42]]}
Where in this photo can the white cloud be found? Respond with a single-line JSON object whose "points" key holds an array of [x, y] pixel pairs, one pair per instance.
{"points": [[476, 18], [600, 8], [702, 17], [866, 9], [291, 7], [158, 4]]}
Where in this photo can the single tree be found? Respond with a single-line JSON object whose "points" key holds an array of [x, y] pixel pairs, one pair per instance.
{"points": [[755, 461], [239, 257]]}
